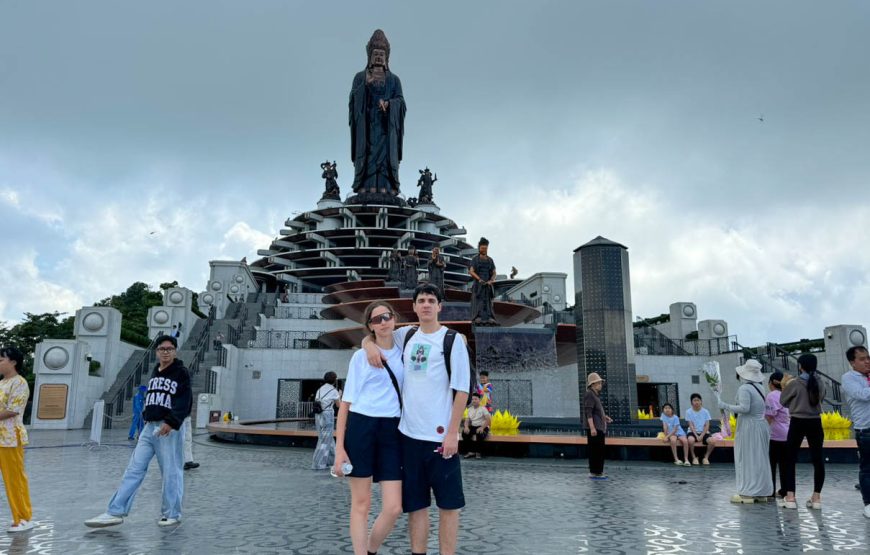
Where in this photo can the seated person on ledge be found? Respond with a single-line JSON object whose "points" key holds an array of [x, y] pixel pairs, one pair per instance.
{"points": [[699, 420], [476, 426], [673, 433]]}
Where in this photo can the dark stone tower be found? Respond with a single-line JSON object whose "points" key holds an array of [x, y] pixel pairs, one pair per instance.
{"points": [[605, 342]]}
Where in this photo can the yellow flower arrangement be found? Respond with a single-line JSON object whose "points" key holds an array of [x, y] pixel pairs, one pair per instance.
{"points": [[836, 426], [643, 415], [504, 424]]}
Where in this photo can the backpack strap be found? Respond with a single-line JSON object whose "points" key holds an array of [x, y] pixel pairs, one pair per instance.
{"points": [[449, 338], [408, 337], [395, 384]]}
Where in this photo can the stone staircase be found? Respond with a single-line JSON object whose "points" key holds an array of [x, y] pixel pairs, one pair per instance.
{"points": [[197, 351]]}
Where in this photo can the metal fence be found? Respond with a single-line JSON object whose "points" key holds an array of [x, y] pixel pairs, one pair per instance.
{"points": [[645, 344], [279, 339], [297, 313], [302, 298]]}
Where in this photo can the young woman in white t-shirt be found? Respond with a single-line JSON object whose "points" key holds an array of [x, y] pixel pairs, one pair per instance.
{"points": [[367, 433]]}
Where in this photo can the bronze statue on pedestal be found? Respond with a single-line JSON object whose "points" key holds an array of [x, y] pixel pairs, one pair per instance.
{"points": [[482, 269]]}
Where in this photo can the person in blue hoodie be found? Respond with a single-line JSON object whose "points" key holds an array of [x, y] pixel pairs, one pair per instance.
{"points": [[138, 404], [167, 403]]}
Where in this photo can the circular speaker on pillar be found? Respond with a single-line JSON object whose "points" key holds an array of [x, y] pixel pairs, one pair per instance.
{"points": [[56, 358], [93, 322]]}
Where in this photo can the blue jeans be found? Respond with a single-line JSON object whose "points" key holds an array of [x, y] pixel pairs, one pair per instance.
{"points": [[168, 450], [863, 440]]}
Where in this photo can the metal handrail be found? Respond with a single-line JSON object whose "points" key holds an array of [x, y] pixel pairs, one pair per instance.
{"points": [[285, 312], [115, 405], [787, 359], [202, 343], [278, 339]]}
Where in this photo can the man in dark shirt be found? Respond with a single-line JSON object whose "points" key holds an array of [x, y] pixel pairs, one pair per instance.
{"points": [[167, 404]]}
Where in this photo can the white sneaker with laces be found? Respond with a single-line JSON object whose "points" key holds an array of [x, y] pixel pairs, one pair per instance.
{"points": [[22, 526], [104, 520], [166, 521], [867, 511]]}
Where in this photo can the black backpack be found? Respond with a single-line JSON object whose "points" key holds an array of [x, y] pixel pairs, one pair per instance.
{"points": [[449, 338]]}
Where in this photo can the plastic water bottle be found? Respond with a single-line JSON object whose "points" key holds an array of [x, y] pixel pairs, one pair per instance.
{"points": [[346, 468]]}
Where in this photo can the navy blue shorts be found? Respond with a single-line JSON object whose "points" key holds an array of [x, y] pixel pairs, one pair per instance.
{"points": [[374, 447], [424, 472]]}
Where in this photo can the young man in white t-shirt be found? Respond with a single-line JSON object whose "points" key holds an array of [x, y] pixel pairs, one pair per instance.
{"points": [[433, 407]]}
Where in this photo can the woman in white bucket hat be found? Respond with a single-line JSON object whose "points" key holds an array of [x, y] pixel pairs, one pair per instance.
{"points": [[752, 437]]}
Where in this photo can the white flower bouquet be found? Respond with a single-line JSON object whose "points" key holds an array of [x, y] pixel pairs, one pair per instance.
{"points": [[713, 376]]}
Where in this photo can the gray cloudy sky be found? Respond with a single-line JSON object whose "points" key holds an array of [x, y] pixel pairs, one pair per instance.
{"points": [[548, 123]]}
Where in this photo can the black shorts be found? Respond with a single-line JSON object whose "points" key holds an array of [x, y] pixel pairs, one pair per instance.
{"points": [[702, 440], [426, 471], [374, 447]]}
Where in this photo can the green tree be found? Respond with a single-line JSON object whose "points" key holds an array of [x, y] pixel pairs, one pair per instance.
{"points": [[133, 304]]}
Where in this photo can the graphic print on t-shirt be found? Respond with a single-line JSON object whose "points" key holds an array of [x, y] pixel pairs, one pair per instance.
{"points": [[420, 357]]}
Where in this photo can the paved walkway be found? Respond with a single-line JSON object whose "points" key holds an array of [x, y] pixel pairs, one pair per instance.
{"points": [[248, 499]]}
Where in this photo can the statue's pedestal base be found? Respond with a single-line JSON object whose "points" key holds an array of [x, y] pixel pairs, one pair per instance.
{"points": [[329, 203], [429, 208], [375, 198]]}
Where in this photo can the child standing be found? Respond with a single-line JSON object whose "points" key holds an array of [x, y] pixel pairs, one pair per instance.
{"points": [[674, 433], [778, 418]]}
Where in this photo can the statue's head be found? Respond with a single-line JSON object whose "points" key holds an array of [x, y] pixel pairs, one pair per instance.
{"points": [[378, 50], [483, 245]]}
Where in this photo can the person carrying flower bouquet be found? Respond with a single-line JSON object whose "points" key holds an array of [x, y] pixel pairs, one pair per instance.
{"points": [[752, 440]]}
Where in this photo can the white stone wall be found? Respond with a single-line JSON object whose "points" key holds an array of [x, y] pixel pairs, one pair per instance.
{"points": [[257, 398], [680, 369]]}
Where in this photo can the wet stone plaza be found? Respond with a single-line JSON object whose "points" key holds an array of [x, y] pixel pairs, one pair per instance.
{"points": [[252, 499]]}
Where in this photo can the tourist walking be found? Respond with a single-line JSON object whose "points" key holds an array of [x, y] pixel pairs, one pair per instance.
{"points": [[778, 418], [857, 390], [803, 397], [367, 433], [167, 404], [752, 440], [596, 421], [324, 421], [14, 393]]}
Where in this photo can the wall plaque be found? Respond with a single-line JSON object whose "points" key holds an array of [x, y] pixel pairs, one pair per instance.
{"points": [[52, 401]]}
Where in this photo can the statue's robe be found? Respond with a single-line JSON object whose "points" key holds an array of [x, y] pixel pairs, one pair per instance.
{"points": [[375, 136]]}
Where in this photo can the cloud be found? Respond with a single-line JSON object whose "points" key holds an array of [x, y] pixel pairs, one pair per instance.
{"points": [[772, 276], [242, 238], [25, 290]]}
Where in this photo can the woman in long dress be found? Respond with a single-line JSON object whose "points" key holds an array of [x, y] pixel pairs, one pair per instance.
{"points": [[752, 441], [327, 395]]}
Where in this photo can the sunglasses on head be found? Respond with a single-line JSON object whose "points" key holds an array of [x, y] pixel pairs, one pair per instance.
{"points": [[381, 318]]}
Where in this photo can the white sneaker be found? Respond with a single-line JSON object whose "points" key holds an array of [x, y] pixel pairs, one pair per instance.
{"points": [[104, 520], [166, 521], [22, 526], [867, 511]]}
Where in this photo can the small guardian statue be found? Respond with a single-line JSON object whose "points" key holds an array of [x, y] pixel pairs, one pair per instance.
{"points": [[395, 270], [436, 265], [330, 174], [409, 268], [425, 183]]}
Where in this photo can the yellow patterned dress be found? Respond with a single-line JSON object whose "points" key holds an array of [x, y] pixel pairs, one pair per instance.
{"points": [[14, 393]]}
